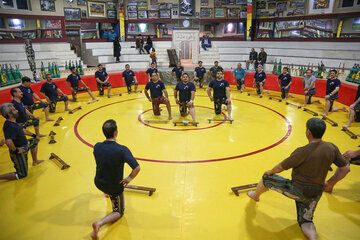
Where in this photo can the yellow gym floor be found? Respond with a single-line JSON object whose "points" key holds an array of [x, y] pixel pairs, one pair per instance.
{"points": [[192, 168]]}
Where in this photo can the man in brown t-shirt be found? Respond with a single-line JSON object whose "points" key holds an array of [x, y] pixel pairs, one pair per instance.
{"points": [[310, 165]]}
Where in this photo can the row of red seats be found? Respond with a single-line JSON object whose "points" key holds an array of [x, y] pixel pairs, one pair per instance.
{"points": [[347, 92]]}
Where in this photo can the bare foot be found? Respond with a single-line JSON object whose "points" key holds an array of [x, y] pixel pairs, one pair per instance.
{"points": [[170, 118], [324, 114], [96, 228], [347, 125], [304, 105], [49, 119], [252, 195], [315, 101], [68, 109], [37, 162], [41, 135], [2, 142]]}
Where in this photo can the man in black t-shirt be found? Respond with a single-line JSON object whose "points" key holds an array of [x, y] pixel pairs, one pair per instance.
{"points": [[332, 90], [28, 99], [152, 70], [221, 94], [128, 76], [157, 89], [177, 72], [102, 80], [213, 70], [17, 143], [186, 91], [49, 90], [284, 81], [199, 74], [74, 80], [25, 118], [110, 158], [354, 109]]}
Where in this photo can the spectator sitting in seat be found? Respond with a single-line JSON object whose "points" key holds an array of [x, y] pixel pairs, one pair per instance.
{"points": [[206, 42], [261, 58], [252, 58]]}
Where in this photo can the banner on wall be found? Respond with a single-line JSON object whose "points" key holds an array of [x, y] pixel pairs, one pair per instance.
{"points": [[249, 20], [121, 19]]}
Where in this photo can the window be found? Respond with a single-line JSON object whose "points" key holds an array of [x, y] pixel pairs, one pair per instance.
{"points": [[350, 3], [15, 4]]}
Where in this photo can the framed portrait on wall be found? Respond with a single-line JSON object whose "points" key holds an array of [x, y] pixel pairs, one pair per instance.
{"points": [[187, 8], [47, 5], [206, 12], [111, 5], [233, 12], [165, 13], [111, 14], [142, 14], [132, 8], [96, 9], [219, 12], [83, 14], [320, 6], [131, 28], [153, 14], [73, 14], [174, 13], [132, 15], [204, 2], [81, 2]]}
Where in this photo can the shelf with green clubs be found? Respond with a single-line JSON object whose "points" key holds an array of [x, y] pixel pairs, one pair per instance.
{"points": [[9, 75]]}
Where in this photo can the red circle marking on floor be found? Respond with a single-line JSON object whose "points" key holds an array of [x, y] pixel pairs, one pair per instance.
{"points": [[194, 161]]}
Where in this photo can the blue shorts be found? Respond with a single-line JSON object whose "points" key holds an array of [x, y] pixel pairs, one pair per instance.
{"points": [[306, 197]]}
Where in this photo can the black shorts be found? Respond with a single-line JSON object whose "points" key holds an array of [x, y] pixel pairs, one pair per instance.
{"points": [[118, 203], [332, 100], [240, 83], [218, 102], [306, 197], [54, 101], [101, 86], [36, 105], [183, 108], [357, 113], [129, 83], [258, 87], [20, 161]]}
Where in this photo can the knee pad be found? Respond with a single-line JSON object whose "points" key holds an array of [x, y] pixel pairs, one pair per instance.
{"points": [[52, 107], [101, 90], [258, 88], [283, 93], [331, 104], [183, 109], [217, 106], [357, 114]]}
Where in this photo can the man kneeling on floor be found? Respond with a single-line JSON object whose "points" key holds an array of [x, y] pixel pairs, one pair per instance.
{"points": [[110, 158], [17, 143], [157, 89], [310, 165]]}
